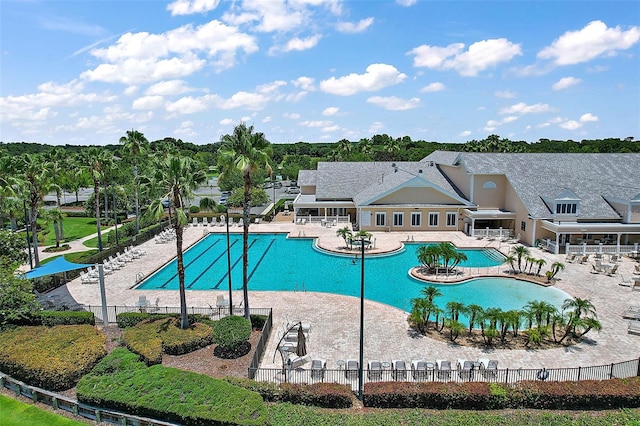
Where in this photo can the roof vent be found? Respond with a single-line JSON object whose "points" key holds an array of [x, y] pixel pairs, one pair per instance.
{"points": [[420, 171], [431, 163]]}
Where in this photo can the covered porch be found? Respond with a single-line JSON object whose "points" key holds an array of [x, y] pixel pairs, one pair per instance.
{"points": [[492, 223], [576, 237], [305, 206]]}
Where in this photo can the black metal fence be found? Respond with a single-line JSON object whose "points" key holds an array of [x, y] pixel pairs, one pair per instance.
{"points": [[624, 369], [262, 343], [213, 312]]}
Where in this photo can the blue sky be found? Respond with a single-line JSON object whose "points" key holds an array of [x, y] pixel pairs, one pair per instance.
{"points": [[84, 72]]}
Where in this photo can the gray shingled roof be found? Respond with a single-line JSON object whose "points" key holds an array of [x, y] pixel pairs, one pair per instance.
{"points": [[362, 181], [307, 178], [447, 158], [593, 177]]}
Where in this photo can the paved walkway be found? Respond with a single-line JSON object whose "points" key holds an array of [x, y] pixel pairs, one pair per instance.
{"points": [[335, 319]]}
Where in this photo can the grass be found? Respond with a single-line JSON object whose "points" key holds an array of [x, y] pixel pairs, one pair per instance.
{"points": [[93, 242], [74, 229], [16, 413]]}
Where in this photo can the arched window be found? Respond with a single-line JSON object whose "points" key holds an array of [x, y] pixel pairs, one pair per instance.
{"points": [[489, 185]]}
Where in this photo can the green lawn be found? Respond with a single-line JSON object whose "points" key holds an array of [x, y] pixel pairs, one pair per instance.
{"points": [[17, 413], [74, 228]]}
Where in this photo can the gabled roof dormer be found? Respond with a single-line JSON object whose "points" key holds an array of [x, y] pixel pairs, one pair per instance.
{"points": [[566, 203]]}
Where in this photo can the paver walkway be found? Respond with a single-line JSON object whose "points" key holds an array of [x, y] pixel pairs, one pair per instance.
{"points": [[335, 319]]}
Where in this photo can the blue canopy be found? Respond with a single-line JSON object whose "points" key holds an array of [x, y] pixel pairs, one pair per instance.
{"points": [[56, 266]]}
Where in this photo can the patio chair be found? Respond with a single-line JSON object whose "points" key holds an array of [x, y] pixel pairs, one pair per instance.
{"points": [[221, 302], [298, 362], [632, 312], [584, 259], [418, 369], [613, 270], [351, 369], [399, 369], [571, 258], [318, 368], [636, 270], [194, 221], [155, 306], [374, 370], [634, 327], [443, 368], [488, 367], [86, 279], [465, 369], [595, 269]]}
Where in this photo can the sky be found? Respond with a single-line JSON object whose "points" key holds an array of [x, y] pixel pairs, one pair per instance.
{"points": [[85, 72]]}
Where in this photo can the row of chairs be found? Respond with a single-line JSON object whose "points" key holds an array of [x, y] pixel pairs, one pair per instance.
{"points": [[92, 276], [205, 222], [165, 236]]}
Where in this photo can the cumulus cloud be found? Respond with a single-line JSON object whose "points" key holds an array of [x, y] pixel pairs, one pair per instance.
{"points": [[464, 133], [376, 77], [493, 124], [584, 118], [406, 3], [227, 121], [592, 41], [433, 87], [522, 108], [305, 83], [330, 111], [188, 7], [144, 57], [358, 27], [478, 57], [394, 103], [375, 127], [505, 94], [298, 44], [315, 123], [571, 125], [148, 102], [291, 115], [565, 83], [169, 88]]}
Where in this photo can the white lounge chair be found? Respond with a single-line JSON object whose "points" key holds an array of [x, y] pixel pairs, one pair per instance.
{"points": [[418, 369], [351, 369], [632, 312], [613, 270], [318, 368], [488, 367], [299, 362], [444, 368], [194, 221], [634, 327], [465, 369]]}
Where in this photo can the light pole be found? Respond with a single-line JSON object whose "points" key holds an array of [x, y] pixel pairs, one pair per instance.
{"points": [[360, 366], [26, 228], [226, 209], [115, 215]]}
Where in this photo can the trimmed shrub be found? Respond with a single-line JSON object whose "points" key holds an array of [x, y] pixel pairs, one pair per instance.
{"points": [[257, 321], [170, 394], [52, 358], [147, 345], [327, 395], [53, 318], [232, 331], [194, 209], [130, 319], [469, 396], [269, 391]]}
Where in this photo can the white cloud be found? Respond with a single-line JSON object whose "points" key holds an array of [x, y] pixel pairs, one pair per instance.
{"points": [[305, 83], [315, 123], [242, 99], [406, 3], [227, 121], [169, 88], [594, 40], [187, 7], [584, 118], [565, 83], [350, 27], [330, 111], [185, 129], [433, 87], [375, 127], [376, 77], [464, 134], [571, 125], [505, 94], [394, 103], [291, 115], [522, 108], [131, 90], [187, 105], [148, 102], [329, 129], [297, 44], [480, 56], [267, 119]]}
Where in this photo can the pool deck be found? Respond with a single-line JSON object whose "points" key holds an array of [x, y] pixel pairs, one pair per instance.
{"points": [[335, 318]]}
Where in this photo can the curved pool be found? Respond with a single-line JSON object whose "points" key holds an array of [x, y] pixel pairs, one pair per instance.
{"points": [[278, 263]]}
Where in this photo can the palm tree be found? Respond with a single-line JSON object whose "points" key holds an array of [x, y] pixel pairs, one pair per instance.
{"points": [[579, 307], [473, 312], [344, 233], [365, 146], [510, 260], [36, 180], [540, 263], [58, 166], [520, 251], [555, 268], [428, 256], [178, 177], [455, 328], [454, 309], [430, 293], [248, 152], [136, 144], [96, 162]]}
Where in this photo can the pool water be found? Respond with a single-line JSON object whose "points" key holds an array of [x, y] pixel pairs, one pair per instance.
{"points": [[278, 263]]}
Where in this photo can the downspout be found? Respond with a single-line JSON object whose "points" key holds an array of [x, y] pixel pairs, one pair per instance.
{"points": [[533, 231]]}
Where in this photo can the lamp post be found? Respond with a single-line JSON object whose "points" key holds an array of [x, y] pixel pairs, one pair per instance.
{"points": [[226, 209], [115, 215], [26, 227], [360, 366]]}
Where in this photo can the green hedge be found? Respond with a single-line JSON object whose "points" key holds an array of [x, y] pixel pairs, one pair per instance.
{"points": [[231, 331], [582, 395], [52, 358], [154, 336], [169, 394], [130, 319], [53, 318], [257, 321]]}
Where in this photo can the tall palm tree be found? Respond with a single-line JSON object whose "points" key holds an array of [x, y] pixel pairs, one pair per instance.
{"points": [[520, 251], [246, 151], [473, 311], [136, 144], [58, 166], [96, 162], [36, 181], [178, 177], [344, 233]]}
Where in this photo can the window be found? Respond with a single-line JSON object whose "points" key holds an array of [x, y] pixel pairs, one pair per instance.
{"points": [[452, 219], [566, 208], [523, 226], [489, 185], [416, 219], [398, 219], [381, 218], [433, 219]]}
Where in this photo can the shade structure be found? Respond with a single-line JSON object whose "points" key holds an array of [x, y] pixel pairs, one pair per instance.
{"points": [[301, 349], [56, 266]]}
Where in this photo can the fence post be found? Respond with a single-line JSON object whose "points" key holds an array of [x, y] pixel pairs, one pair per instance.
{"points": [[611, 372], [638, 372], [506, 376], [54, 403], [98, 417], [579, 369]]}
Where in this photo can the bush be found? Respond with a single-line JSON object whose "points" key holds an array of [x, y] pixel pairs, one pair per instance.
{"points": [[170, 394], [53, 358], [53, 318], [327, 395], [194, 209], [232, 331], [257, 321], [130, 319]]}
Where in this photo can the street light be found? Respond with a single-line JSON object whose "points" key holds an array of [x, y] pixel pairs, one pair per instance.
{"points": [[226, 209], [360, 366]]}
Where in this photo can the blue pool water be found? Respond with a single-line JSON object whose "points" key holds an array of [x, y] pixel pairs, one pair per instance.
{"points": [[277, 263]]}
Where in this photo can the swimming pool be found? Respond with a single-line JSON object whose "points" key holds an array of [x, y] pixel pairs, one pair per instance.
{"points": [[278, 263]]}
